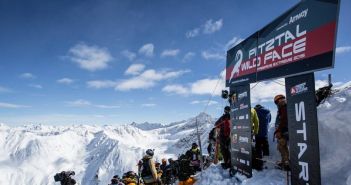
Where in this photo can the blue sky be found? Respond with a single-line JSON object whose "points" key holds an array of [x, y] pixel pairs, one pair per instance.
{"points": [[110, 62]]}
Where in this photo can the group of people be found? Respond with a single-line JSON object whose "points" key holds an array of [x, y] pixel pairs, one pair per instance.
{"points": [[154, 173], [220, 135]]}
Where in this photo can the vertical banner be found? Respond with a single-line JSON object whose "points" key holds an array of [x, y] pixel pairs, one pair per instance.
{"points": [[303, 130], [241, 130]]}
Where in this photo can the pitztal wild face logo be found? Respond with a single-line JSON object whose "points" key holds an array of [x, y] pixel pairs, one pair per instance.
{"points": [[286, 46], [238, 59]]}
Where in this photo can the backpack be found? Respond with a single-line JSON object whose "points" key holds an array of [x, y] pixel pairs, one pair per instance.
{"points": [[185, 170], [146, 171]]}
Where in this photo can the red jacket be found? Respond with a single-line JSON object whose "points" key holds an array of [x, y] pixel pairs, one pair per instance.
{"points": [[224, 124]]}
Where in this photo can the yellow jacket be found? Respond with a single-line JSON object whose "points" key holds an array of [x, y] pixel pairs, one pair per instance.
{"points": [[254, 121]]}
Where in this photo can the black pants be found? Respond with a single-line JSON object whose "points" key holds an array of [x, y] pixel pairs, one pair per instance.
{"points": [[262, 147], [225, 150]]}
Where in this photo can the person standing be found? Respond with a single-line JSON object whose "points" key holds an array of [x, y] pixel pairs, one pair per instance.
{"points": [[281, 132], [148, 171], [261, 138], [224, 136]]}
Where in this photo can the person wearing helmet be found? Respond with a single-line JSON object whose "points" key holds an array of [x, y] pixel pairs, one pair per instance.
{"points": [[194, 155], [223, 123], [281, 132], [148, 169], [163, 164]]}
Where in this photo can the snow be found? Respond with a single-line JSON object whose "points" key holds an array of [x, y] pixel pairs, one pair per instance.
{"points": [[32, 154]]}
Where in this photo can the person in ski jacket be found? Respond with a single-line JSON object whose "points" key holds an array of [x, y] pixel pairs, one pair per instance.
{"points": [[185, 171], [281, 132], [211, 142], [254, 121], [116, 180], [130, 178], [224, 136], [261, 139], [194, 155], [148, 171]]}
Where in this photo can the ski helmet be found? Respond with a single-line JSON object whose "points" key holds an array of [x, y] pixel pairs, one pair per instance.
{"points": [[150, 152], [194, 145], [278, 97]]}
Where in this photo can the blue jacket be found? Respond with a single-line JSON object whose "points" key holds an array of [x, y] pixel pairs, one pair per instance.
{"points": [[264, 115]]}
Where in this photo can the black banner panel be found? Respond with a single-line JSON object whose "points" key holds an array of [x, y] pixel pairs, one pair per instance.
{"points": [[300, 41], [241, 130], [303, 130]]}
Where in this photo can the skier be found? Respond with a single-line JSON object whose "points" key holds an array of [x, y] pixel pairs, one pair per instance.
{"points": [[211, 143], [261, 139], [148, 171], [163, 164], [116, 181], [194, 154], [130, 178], [281, 132], [224, 136], [185, 171]]}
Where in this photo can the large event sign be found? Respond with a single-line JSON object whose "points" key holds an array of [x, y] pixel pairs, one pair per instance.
{"points": [[300, 41], [241, 153], [303, 130]]}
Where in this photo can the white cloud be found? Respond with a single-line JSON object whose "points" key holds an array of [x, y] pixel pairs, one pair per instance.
{"points": [[38, 86], [134, 69], [91, 58], [148, 105], [85, 103], [27, 76], [208, 28], [207, 86], [78, 103], [188, 56], [231, 43], [148, 79], [204, 102], [192, 33], [207, 55], [343, 49], [265, 91], [129, 55], [5, 90], [101, 84], [108, 106], [170, 53], [321, 83], [147, 50], [65, 81], [211, 27], [176, 89], [11, 106]]}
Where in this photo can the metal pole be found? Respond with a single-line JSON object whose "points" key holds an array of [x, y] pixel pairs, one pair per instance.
{"points": [[199, 140]]}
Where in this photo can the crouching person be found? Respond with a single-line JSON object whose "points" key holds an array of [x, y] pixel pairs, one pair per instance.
{"points": [[185, 171]]}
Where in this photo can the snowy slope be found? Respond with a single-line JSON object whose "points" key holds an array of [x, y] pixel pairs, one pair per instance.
{"points": [[32, 154]]}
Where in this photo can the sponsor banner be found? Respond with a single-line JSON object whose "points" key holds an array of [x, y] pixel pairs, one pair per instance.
{"points": [[241, 130], [303, 130], [301, 40]]}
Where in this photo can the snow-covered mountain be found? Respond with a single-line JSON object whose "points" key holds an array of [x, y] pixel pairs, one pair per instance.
{"points": [[32, 154]]}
